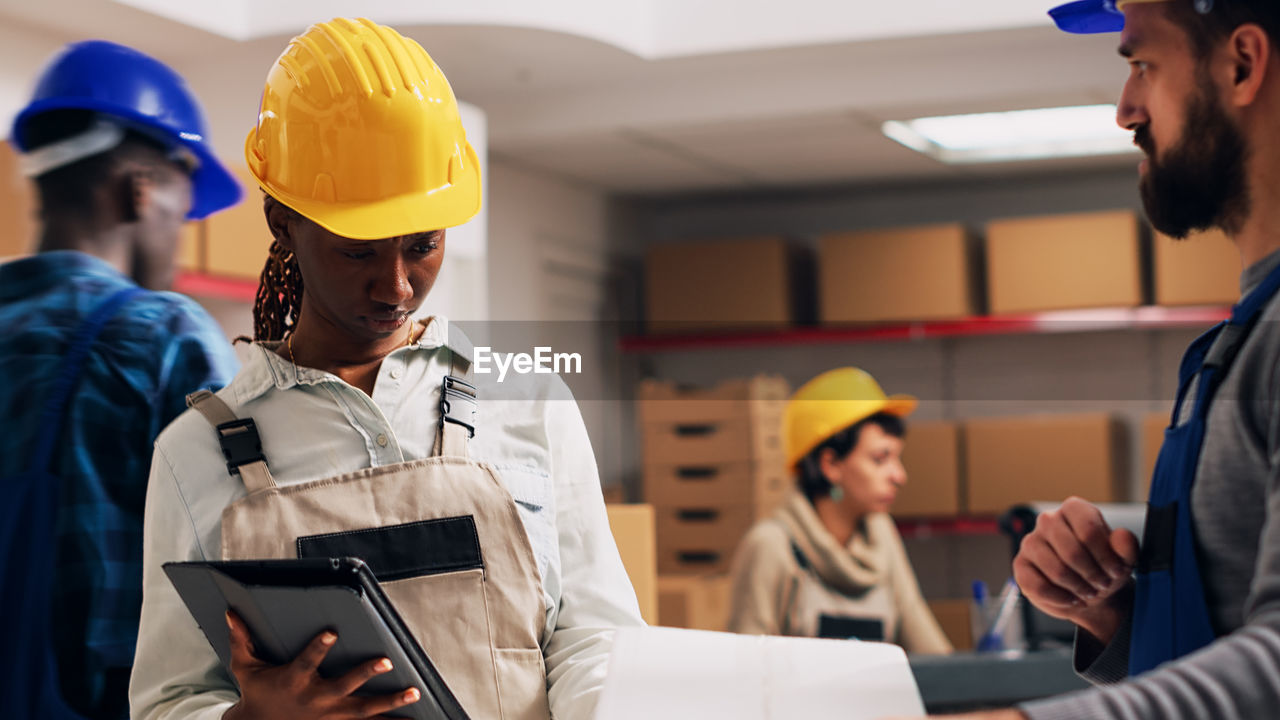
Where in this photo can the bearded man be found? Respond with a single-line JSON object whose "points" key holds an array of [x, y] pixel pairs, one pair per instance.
{"points": [[1188, 628]]}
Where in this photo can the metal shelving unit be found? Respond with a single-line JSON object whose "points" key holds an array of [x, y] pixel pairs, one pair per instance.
{"points": [[1148, 317]]}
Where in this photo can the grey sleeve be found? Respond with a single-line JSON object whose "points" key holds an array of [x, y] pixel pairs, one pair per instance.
{"points": [[1103, 664], [1235, 678]]}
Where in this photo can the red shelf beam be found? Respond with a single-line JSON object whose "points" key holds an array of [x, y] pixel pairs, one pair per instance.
{"points": [[947, 526], [1147, 317], [204, 285]]}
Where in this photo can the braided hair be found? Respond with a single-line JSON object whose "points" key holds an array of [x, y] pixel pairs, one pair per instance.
{"points": [[279, 298], [275, 309]]}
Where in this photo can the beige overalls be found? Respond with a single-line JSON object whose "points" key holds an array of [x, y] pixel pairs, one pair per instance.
{"points": [[442, 535]]}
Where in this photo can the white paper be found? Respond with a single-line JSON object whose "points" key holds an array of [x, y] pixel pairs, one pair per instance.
{"points": [[671, 674]]}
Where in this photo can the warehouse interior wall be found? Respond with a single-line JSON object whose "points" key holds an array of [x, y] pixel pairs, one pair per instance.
{"points": [[23, 51], [560, 255]]}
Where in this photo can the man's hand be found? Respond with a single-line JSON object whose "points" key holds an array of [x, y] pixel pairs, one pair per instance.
{"points": [[1074, 566], [297, 690]]}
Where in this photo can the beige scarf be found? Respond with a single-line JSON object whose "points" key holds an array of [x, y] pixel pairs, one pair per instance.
{"points": [[852, 569]]}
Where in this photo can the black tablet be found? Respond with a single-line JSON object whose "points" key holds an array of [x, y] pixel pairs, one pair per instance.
{"points": [[286, 603]]}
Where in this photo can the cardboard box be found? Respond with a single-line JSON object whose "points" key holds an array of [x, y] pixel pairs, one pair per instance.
{"points": [[1016, 460], [736, 421], [614, 494], [191, 249], [18, 206], [1152, 432], [666, 401], [701, 540], [752, 283], [920, 273], [713, 442], [953, 616], [761, 484], [694, 602], [237, 238], [1204, 269], [1063, 262], [932, 459], [633, 531]]}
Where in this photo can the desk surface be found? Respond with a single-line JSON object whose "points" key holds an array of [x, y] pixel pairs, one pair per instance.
{"points": [[967, 680]]}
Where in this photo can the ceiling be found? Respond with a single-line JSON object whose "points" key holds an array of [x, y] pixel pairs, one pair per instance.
{"points": [[642, 117]]}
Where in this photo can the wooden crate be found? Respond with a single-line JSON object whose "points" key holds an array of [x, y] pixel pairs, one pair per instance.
{"points": [[953, 616], [735, 421], [633, 532], [701, 540], [761, 484], [695, 602], [665, 401]]}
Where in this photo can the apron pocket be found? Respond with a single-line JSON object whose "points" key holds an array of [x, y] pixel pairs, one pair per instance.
{"points": [[536, 504], [522, 683], [843, 627], [448, 614], [397, 552]]}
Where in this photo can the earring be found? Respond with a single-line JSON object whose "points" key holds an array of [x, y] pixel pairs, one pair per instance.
{"points": [[837, 493]]}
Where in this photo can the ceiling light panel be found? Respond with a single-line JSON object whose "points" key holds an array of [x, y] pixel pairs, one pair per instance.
{"points": [[1017, 135]]}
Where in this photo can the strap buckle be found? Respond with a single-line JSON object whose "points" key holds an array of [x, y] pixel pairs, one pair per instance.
{"points": [[1223, 351], [458, 403], [240, 443]]}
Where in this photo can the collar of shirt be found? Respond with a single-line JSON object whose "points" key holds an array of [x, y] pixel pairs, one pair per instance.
{"points": [[266, 369], [1253, 275], [24, 276]]}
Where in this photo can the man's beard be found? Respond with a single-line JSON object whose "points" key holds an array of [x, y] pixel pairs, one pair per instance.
{"points": [[1198, 183]]}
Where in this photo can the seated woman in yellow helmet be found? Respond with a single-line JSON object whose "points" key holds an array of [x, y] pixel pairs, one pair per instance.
{"points": [[486, 526], [830, 563]]}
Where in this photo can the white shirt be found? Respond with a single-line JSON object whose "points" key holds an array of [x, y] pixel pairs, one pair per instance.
{"points": [[313, 425]]}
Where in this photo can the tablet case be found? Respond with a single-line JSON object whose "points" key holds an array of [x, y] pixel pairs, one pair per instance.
{"points": [[286, 603]]}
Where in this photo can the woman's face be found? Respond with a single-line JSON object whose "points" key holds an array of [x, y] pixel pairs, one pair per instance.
{"points": [[871, 474], [366, 289]]}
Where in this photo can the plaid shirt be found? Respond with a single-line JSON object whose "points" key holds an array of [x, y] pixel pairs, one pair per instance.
{"points": [[159, 347]]}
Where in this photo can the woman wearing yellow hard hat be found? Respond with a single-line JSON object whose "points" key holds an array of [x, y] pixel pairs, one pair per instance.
{"points": [[830, 563], [354, 430]]}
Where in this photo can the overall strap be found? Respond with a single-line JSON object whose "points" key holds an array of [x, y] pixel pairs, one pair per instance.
{"points": [[1191, 367], [1251, 305], [458, 410], [241, 444], [68, 376], [1234, 332]]}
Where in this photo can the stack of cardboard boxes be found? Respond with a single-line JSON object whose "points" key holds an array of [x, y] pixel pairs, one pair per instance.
{"points": [[703, 469], [713, 467], [935, 273]]}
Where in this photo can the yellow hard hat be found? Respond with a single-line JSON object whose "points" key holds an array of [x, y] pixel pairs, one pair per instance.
{"points": [[359, 131], [832, 402]]}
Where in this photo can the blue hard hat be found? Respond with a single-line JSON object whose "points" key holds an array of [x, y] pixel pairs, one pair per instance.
{"points": [[1099, 16], [142, 93], [1088, 16]]}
